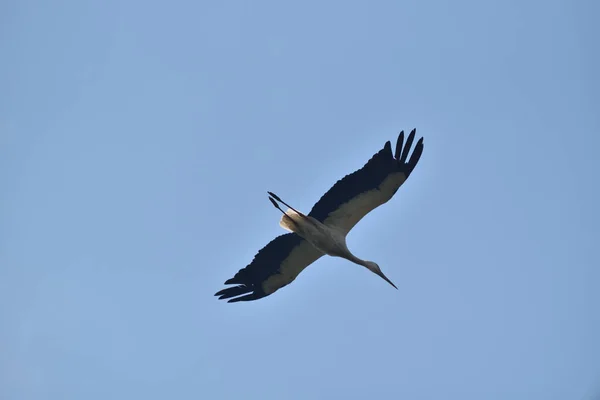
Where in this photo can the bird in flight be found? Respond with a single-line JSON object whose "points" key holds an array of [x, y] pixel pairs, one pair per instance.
{"points": [[323, 231]]}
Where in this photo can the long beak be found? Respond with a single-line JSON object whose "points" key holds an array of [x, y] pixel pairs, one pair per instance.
{"points": [[386, 279]]}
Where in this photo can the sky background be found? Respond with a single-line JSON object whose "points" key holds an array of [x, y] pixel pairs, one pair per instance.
{"points": [[138, 140]]}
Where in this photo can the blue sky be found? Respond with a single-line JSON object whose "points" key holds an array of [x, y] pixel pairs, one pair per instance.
{"points": [[138, 140]]}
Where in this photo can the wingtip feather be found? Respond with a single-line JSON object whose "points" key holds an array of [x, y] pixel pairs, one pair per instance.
{"points": [[388, 147], [399, 144], [409, 142]]}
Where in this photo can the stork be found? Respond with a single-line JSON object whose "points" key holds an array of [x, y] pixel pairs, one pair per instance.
{"points": [[323, 231]]}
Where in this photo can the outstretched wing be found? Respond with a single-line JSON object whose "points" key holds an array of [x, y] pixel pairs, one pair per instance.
{"points": [[273, 267], [358, 193]]}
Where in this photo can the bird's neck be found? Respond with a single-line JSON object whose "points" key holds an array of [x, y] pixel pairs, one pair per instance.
{"points": [[356, 260]]}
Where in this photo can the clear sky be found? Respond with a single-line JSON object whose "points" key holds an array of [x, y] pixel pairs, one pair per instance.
{"points": [[138, 140]]}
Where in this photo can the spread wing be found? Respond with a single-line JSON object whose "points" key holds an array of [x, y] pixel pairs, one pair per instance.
{"points": [[355, 195], [273, 267]]}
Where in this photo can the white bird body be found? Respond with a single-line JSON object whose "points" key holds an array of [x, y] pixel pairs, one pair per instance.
{"points": [[329, 240], [323, 231]]}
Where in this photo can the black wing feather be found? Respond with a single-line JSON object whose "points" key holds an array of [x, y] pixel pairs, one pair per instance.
{"points": [[370, 176], [265, 264]]}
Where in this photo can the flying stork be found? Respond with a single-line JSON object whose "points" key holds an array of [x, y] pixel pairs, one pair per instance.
{"points": [[323, 231]]}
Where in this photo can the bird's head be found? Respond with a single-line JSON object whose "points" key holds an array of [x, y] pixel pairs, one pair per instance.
{"points": [[373, 267]]}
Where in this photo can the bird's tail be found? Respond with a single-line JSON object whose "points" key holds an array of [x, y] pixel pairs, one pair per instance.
{"points": [[290, 220]]}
